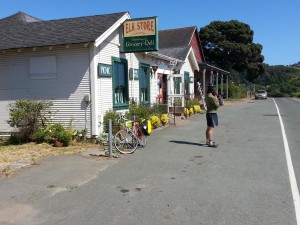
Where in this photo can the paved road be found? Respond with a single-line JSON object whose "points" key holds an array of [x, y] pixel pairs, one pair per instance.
{"points": [[174, 180]]}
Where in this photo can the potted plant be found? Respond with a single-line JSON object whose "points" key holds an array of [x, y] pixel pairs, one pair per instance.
{"points": [[63, 138], [60, 136]]}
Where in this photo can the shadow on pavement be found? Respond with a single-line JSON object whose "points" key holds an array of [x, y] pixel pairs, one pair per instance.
{"points": [[188, 143]]}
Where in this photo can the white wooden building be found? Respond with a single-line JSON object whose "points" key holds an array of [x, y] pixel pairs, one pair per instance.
{"points": [[78, 64]]}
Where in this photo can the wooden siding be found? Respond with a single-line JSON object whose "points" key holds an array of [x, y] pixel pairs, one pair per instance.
{"points": [[133, 63], [196, 47], [66, 90]]}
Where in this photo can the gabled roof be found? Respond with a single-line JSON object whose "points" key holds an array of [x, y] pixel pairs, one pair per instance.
{"points": [[180, 38], [175, 37], [176, 43], [176, 52], [21, 30]]}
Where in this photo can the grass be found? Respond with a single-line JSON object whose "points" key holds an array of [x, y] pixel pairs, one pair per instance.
{"points": [[32, 152]]}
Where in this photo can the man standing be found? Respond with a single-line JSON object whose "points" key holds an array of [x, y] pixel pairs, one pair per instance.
{"points": [[212, 105]]}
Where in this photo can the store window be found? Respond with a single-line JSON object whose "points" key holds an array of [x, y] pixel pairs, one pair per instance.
{"points": [[177, 84], [187, 83], [144, 82], [120, 83]]}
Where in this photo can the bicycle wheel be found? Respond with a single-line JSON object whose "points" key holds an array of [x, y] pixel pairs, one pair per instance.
{"points": [[143, 141], [125, 142]]}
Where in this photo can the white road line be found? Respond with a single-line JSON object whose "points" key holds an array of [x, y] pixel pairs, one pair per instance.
{"points": [[293, 182], [296, 99]]}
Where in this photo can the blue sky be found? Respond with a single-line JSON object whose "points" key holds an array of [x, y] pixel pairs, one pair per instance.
{"points": [[276, 24]]}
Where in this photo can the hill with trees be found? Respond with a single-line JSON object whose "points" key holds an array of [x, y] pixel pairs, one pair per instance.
{"points": [[280, 81]]}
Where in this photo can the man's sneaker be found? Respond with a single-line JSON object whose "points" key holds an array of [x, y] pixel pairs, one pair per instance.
{"points": [[212, 144]]}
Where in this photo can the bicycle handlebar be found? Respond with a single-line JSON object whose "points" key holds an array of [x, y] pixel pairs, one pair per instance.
{"points": [[121, 117]]}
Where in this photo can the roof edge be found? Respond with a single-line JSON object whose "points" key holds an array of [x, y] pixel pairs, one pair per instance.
{"points": [[161, 56], [194, 60], [109, 31]]}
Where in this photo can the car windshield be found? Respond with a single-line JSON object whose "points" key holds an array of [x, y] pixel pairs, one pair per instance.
{"points": [[261, 92]]}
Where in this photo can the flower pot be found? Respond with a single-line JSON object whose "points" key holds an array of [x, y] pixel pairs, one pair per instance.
{"points": [[58, 144]]}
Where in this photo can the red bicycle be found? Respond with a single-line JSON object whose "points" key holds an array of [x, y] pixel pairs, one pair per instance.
{"points": [[142, 139]]}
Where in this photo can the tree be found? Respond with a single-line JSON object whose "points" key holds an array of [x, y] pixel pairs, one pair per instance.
{"points": [[229, 45]]}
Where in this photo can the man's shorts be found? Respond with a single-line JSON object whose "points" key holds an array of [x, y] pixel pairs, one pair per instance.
{"points": [[212, 119]]}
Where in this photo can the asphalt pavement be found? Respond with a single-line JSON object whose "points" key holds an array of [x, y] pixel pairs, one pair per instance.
{"points": [[175, 179]]}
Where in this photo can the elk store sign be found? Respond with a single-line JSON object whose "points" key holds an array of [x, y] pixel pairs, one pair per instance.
{"points": [[140, 35]]}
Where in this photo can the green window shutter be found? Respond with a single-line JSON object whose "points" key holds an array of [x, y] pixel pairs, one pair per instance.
{"points": [[144, 83], [120, 83], [187, 83]]}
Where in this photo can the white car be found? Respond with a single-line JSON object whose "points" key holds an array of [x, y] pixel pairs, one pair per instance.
{"points": [[261, 94]]}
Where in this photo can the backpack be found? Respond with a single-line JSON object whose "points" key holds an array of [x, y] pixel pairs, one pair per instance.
{"points": [[146, 127]]}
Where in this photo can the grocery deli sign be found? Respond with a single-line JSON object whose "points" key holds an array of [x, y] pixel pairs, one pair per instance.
{"points": [[140, 35]]}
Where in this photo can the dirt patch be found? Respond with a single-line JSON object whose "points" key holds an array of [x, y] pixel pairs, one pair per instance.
{"points": [[32, 153], [232, 102]]}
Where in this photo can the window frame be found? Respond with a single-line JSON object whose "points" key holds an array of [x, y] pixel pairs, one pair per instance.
{"points": [[187, 90], [43, 67], [125, 105], [147, 66]]}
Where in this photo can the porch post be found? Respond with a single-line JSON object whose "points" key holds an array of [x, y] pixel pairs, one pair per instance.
{"points": [[222, 85], [227, 87], [217, 83], [203, 81]]}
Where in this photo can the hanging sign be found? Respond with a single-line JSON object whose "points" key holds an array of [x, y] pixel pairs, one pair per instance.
{"points": [[133, 74], [140, 35], [104, 70]]}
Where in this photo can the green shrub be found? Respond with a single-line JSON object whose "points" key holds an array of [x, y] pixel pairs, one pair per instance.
{"points": [[27, 116], [110, 114], [57, 132], [191, 102], [41, 136], [177, 101], [296, 94], [64, 136], [158, 109], [52, 133], [102, 139], [236, 92], [140, 111], [17, 138], [79, 135]]}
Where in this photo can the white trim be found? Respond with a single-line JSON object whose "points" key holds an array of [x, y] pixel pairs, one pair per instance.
{"points": [[194, 60], [109, 31], [94, 88], [111, 42], [161, 56]]}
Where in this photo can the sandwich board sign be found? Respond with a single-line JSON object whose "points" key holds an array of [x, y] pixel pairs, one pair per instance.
{"points": [[140, 35]]}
